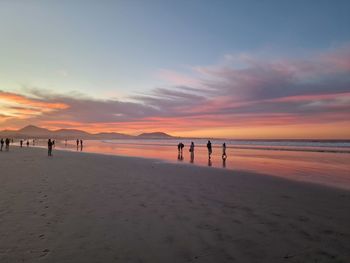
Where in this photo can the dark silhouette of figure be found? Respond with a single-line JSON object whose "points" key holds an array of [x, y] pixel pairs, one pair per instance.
{"points": [[7, 144], [2, 143], [224, 155], [180, 147], [49, 147], [210, 150], [81, 145], [33, 142], [21, 143], [192, 152], [27, 143], [77, 144]]}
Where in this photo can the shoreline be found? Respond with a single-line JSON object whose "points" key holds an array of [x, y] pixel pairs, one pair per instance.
{"points": [[176, 162]]}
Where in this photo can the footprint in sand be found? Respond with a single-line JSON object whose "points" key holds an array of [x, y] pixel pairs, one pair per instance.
{"points": [[44, 252]]}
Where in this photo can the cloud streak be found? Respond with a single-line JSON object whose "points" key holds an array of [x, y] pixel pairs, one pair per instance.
{"points": [[244, 92]]}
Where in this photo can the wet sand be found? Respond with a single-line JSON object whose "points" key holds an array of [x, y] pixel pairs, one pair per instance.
{"points": [[82, 207]]}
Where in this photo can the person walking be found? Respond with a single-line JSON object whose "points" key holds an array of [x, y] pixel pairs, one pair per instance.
{"points": [[49, 146], [2, 143], [27, 143], [7, 144], [21, 143], [209, 150], [224, 156]]}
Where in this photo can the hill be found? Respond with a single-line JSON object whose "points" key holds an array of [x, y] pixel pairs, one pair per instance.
{"points": [[155, 135], [32, 131]]}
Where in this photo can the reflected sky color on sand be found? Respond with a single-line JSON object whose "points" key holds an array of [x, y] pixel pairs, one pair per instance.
{"points": [[327, 168]]}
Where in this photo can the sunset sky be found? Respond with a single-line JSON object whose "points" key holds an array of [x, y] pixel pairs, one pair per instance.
{"points": [[232, 69]]}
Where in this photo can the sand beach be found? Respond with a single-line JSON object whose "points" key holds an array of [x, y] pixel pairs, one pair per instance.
{"points": [[84, 207]]}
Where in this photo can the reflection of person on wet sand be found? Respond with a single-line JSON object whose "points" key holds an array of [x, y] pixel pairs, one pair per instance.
{"points": [[209, 162], [224, 162], [209, 150]]}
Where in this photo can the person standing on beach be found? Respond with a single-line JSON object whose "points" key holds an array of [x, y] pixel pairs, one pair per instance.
{"points": [[49, 146], [224, 156], [209, 150], [2, 143], [192, 152], [27, 143], [81, 145], [7, 144], [21, 143], [77, 144]]}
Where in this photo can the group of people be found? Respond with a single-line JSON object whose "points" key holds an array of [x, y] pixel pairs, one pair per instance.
{"points": [[180, 147], [81, 144], [7, 144], [21, 143]]}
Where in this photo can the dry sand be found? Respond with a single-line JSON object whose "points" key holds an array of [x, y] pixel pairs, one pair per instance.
{"points": [[79, 207]]}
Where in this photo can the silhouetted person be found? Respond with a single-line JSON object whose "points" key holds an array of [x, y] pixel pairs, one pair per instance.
{"points": [[49, 147], [21, 143], [224, 156], [81, 145], [7, 144], [192, 152], [77, 144], [181, 147], [27, 143], [210, 150], [2, 143], [33, 142]]}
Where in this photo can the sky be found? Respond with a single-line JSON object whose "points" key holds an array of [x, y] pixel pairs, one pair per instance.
{"points": [[226, 69]]}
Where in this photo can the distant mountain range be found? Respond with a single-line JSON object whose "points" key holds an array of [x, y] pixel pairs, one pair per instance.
{"points": [[32, 131]]}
